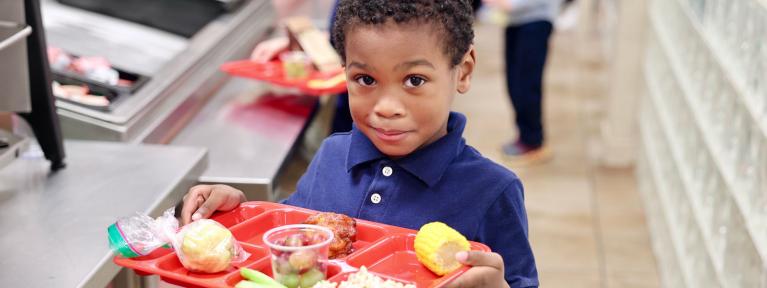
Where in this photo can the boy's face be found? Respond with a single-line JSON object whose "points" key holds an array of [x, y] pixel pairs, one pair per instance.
{"points": [[401, 84]]}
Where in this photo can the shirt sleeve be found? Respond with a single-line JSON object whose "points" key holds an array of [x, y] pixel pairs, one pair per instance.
{"points": [[504, 229]]}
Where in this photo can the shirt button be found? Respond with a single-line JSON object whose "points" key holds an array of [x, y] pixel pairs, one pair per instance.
{"points": [[387, 171], [375, 198]]}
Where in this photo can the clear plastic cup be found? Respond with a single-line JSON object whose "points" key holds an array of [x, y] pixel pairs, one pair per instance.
{"points": [[295, 64], [299, 253]]}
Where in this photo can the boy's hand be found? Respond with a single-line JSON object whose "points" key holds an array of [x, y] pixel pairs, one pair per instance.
{"points": [[202, 200], [268, 49], [487, 270]]}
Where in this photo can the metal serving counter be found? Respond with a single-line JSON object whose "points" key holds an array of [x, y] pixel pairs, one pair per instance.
{"points": [[54, 225], [184, 72], [249, 132]]}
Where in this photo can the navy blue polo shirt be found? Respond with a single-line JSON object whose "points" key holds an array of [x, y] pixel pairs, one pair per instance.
{"points": [[445, 181]]}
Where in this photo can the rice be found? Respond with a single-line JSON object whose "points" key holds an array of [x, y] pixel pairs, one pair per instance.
{"points": [[364, 279]]}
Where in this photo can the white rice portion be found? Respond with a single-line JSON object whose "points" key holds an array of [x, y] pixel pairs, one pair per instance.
{"points": [[363, 279]]}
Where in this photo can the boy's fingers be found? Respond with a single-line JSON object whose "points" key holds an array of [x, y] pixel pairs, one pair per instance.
{"points": [[210, 205], [262, 53], [458, 283], [486, 271], [258, 55], [192, 200], [198, 203], [268, 49], [476, 258], [465, 280], [474, 277]]}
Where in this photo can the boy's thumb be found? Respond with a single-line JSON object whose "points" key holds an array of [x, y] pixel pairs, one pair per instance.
{"points": [[207, 208]]}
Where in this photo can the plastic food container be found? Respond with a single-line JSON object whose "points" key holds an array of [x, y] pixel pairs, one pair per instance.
{"points": [[295, 64], [299, 253]]}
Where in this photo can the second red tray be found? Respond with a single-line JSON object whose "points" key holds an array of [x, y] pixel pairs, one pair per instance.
{"points": [[272, 72], [385, 250]]}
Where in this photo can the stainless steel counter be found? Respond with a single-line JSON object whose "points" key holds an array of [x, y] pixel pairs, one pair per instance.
{"points": [[189, 101], [250, 133], [54, 226]]}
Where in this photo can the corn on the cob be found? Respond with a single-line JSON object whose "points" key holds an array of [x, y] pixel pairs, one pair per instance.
{"points": [[436, 245]]}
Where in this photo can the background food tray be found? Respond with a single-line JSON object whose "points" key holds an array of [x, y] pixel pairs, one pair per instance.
{"points": [[272, 72]]}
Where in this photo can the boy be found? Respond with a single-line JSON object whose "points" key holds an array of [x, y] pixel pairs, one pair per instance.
{"points": [[405, 162]]}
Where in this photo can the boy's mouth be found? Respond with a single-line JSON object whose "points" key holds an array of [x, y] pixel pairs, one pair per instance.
{"points": [[390, 135]]}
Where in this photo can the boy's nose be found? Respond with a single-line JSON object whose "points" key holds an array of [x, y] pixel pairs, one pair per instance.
{"points": [[389, 107]]}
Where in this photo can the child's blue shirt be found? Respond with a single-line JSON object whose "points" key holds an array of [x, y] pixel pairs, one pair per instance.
{"points": [[446, 181]]}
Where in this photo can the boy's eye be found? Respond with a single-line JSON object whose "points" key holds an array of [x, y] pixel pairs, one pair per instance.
{"points": [[414, 81], [365, 80]]}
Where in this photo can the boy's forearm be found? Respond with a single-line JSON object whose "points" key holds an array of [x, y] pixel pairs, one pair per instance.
{"points": [[285, 7], [6, 121]]}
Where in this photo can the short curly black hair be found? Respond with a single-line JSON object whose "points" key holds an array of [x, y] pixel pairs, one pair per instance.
{"points": [[452, 18]]}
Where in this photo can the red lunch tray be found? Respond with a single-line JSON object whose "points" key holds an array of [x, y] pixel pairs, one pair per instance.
{"points": [[385, 250], [272, 72]]}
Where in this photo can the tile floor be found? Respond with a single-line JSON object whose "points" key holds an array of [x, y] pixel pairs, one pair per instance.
{"points": [[587, 223]]}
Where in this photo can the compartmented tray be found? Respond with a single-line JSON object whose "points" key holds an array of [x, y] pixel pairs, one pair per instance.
{"points": [[272, 72], [385, 250], [112, 92], [138, 80], [96, 89]]}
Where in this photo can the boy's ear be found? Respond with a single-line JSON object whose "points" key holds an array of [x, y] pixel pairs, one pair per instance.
{"points": [[465, 69]]}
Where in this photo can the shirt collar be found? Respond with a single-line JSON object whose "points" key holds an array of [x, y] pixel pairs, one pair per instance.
{"points": [[427, 164]]}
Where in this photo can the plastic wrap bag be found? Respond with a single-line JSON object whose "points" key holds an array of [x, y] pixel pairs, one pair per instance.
{"points": [[207, 246], [202, 246]]}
